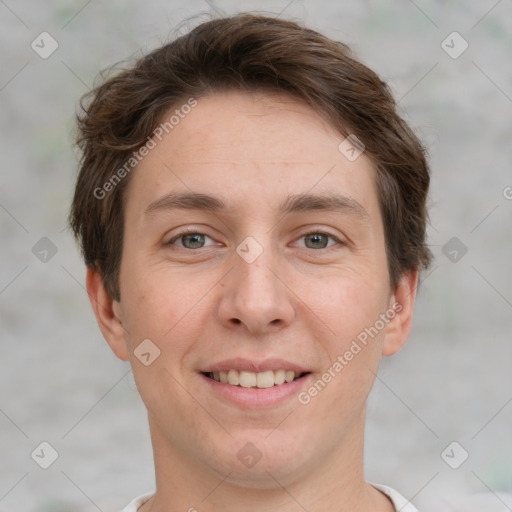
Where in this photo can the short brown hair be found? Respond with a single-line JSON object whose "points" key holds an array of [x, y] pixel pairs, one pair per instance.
{"points": [[251, 53]]}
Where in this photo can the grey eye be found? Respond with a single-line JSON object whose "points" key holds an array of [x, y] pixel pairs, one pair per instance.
{"points": [[193, 240], [190, 240], [316, 240]]}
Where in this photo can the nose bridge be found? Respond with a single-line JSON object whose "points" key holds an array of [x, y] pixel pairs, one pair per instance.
{"points": [[256, 295], [257, 281]]}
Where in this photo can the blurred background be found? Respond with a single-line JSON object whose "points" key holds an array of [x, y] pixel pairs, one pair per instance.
{"points": [[440, 414]]}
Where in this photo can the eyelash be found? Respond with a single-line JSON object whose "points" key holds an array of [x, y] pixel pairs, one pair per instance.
{"points": [[196, 232]]}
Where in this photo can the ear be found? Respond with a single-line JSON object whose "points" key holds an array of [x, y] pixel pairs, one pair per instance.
{"points": [[108, 314], [402, 303]]}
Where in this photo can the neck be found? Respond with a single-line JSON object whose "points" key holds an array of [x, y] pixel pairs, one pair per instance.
{"points": [[334, 481]]}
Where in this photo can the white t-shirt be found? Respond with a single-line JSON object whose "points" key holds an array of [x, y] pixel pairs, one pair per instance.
{"points": [[401, 504]]}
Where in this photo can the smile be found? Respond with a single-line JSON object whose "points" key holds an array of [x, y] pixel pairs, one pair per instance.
{"points": [[261, 380]]}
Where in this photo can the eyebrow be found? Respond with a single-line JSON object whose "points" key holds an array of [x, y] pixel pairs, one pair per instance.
{"points": [[293, 204]]}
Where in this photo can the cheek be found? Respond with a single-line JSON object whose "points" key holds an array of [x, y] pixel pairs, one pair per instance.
{"points": [[347, 306], [169, 311], [155, 301], [350, 312]]}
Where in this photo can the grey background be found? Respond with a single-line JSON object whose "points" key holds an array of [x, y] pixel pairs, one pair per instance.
{"points": [[59, 381]]}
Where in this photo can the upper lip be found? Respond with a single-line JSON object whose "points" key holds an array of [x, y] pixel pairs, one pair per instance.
{"points": [[251, 365]]}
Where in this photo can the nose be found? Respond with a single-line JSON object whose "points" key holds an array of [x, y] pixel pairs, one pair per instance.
{"points": [[256, 296]]}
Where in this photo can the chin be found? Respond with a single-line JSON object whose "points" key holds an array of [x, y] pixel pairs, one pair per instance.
{"points": [[261, 459]]}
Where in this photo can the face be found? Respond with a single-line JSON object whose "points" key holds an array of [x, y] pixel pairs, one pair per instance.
{"points": [[281, 268]]}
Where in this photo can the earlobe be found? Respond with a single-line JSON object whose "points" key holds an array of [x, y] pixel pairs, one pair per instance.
{"points": [[108, 314], [402, 303]]}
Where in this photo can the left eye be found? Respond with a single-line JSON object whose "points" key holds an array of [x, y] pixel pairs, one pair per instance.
{"points": [[318, 240]]}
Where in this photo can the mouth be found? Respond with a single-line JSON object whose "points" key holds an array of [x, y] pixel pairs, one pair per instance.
{"points": [[261, 380], [250, 383]]}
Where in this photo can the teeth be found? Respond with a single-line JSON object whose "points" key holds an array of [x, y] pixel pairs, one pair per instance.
{"points": [[260, 380], [279, 376], [234, 377]]}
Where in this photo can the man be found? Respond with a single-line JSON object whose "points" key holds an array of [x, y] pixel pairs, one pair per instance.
{"points": [[251, 210]]}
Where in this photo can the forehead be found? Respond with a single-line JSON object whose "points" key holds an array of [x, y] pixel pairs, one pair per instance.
{"points": [[250, 147], [255, 127]]}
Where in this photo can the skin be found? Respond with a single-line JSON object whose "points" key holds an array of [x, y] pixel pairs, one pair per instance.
{"points": [[297, 301]]}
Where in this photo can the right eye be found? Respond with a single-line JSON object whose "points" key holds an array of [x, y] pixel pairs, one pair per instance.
{"points": [[190, 240]]}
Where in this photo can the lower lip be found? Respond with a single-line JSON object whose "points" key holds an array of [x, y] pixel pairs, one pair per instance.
{"points": [[256, 398]]}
